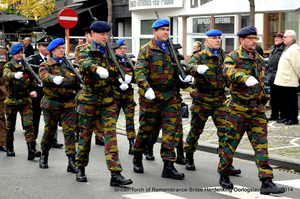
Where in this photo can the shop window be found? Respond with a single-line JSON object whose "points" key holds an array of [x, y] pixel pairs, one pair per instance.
{"points": [[194, 3], [144, 41], [245, 21], [198, 24], [146, 27], [224, 24], [229, 43]]}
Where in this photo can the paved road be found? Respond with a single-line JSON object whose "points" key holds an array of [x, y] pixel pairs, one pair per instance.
{"points": [[23, 179]]}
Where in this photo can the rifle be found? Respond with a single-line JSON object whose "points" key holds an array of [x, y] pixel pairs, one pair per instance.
{"points": [[113, 57], [174, 55], [69, 64], [221, 50], [129, 61], [26, 64]]}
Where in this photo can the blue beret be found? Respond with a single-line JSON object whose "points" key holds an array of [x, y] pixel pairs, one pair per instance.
{"points": [[100, 26], [121, 42], [16, 48], [56, 42], [213, 32], [160, 22], [249, 30]]}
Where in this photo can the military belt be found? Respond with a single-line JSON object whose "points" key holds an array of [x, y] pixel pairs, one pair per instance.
{"points": [[213, 93], [251, 103], [162, 88], [103, 94]]}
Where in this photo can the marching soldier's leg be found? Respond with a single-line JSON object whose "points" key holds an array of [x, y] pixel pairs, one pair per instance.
{"points": [[68, 122], [11, 114], [153, 139], [128, 109], [199, 113], [259, 141], [98, 130], [180, 159], [219, 118], [3, 146], [108, 120], [51, 118], [234, 133], [87, 116], [27, 120], [169, 114]]}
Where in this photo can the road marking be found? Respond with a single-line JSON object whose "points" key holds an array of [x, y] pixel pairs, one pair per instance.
{"points": [[292, 183], [247, 193], [156, 195], [283, 147]]}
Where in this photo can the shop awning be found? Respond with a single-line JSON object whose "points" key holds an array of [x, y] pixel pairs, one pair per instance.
{"points": [[221, 7], [52, 19], [9, 17]]}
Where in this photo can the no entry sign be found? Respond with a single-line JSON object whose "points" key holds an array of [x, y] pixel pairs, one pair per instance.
{"points": [[67, 18]]}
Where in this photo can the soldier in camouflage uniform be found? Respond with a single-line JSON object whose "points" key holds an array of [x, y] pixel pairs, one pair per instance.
{"points": [[124, 99], [99, 140], [244, 69], [19, 83], [58, 103], [208, 96], [95, 101], [158, 79]]}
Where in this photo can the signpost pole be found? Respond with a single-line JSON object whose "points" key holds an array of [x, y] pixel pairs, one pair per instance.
{"points": [[68, 40]]}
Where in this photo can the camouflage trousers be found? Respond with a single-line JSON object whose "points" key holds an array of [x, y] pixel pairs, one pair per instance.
{"points": [[178, 129], [88, 115], [128, 105], [153, 114], [27, 121], [67, 118], [200, 111], [256, 126]]}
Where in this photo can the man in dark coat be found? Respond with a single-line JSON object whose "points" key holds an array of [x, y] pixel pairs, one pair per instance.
{"points": [[29, 49], [276, 102]]}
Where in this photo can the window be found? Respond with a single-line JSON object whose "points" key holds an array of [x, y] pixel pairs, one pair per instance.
{"points": [[245, 21], [198, 26], [146, 27], [224, 24]]}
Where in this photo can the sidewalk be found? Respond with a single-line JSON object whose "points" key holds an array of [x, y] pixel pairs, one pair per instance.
{"points": [[284, 140]]}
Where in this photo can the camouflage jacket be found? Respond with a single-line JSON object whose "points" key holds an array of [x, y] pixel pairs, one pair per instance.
{"points": [[77, 50], [57, 96], [238, 67], [96, 90], [118, 93], [155, 69], [212, 80], [17, 89]]}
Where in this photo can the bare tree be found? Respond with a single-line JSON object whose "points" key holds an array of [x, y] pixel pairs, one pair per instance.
{"points": [[252, 13], [109, 17]]}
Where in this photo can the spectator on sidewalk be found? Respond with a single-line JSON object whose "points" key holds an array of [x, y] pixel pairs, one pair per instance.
{"points": [[287, 76], [197, 47], [275, 95], [28, 47]]}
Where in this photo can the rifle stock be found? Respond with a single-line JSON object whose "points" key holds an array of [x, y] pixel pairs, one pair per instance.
{"points": [[129, 61], [26, 64]]}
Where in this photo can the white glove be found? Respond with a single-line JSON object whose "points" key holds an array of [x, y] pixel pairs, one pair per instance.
{"points": [[127, 79], [188, 79], [124, 86], [81, 85], [251, 81], [58, 80], [102, 72], [19, 75], [150, 94], [202, 69]]}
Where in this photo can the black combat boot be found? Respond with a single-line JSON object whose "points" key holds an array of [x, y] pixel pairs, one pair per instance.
{"points": [[44, 160], [267, 187], [169, 171], [117, 179], [32, 152], [149, 152], [100, 141], [80, 175], [56, 144], [225, 182], [234, 171], [137, 163], [131, 143], [180, 156], [71, 166], [190, 162], [10, 148]]}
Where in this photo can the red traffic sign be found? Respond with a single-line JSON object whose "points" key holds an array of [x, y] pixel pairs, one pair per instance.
{"points": [[67, 18]]}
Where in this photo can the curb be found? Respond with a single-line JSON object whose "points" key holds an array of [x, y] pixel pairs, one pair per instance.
{"points": [[278, 160]]}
